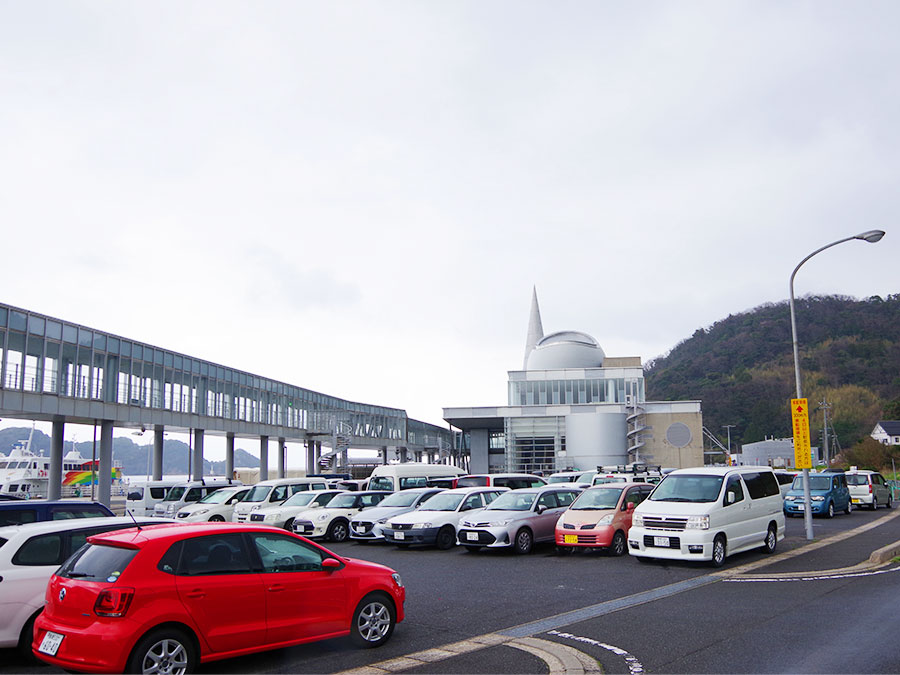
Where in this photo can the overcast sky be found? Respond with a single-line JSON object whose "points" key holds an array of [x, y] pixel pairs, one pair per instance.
{"points": [[359, 197]]}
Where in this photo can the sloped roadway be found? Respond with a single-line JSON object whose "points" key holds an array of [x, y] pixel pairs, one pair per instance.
{"points": [[494, 612]]}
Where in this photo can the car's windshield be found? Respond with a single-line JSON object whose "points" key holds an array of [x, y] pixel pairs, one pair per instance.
{"points": [[513, 501], [857, 479], [342, 502], [218, 497], [591, 500], [568, 478], [301, 499], [258, 493], [400, 499], [602, 480], [175, 493], [442, 502], [687, 488], [815, 483]]}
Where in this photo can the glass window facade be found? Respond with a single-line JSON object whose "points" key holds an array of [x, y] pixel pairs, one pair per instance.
{"points": [[574, 392], [44, 355]]}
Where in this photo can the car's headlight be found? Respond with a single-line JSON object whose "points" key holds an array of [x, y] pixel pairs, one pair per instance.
{"points": [[500, 523], [637, 519], [817, 498], [272, 516], [322, 517], [381, 521], [790, 498], [467, 523], [695, 523], [256, 507], [200, 512], [606, 520], [397, 580], [420, 526]]}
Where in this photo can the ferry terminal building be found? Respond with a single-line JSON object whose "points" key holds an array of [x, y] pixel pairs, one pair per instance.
{"points": [[573, 407]]}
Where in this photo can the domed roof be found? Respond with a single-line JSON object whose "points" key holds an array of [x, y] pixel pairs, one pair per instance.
{"points": [[566, 349]]}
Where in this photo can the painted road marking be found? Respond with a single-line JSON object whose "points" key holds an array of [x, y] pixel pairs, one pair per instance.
{"points": [[812, 577], [634, 666]]}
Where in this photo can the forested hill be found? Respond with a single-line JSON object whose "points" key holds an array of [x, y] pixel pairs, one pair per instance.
{"points": [[742, 368]]}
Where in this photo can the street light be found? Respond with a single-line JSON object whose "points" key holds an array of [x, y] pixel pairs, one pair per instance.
{"points": [[870, 236]]}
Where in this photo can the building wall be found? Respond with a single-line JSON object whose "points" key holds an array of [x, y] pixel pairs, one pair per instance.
{"points": [[596, 438], [659, 450]]}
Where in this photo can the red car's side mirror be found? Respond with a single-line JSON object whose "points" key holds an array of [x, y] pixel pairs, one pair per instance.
{"points": [[630, 506], [330, 564]]}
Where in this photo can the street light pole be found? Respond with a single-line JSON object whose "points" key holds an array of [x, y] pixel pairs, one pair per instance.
{"points": [[870, 236]]}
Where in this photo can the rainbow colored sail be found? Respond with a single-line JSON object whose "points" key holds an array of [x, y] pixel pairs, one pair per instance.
{"points": [[75, 478]]}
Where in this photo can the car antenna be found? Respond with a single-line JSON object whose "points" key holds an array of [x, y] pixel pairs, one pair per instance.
{"points": [[128, 511]]}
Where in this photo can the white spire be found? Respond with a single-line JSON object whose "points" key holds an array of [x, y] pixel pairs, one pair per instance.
{"points": [[535, 328]]}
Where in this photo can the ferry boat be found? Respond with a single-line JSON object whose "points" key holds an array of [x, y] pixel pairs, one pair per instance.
{"points": [[26, 474]]}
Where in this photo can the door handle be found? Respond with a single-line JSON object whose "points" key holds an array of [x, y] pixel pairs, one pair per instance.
{"points": [[275, 588], [196, 593]]}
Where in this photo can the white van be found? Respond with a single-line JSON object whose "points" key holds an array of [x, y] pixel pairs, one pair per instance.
{"points": [[395, 477], [708, 513], [142, 498], [272, 493], [182, 494]]}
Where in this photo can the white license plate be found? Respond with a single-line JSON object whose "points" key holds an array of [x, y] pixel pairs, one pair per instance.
{"points": [[399, 535], [360, 528], [472, 536], [50, 644], [661, 541], [801, 507]]}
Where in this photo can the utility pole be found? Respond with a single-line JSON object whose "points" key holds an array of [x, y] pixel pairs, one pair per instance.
{"points": [[728, 427], [825, 407]]}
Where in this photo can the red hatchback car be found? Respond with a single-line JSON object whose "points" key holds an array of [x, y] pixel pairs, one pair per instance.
{"points": [[163, 598]]}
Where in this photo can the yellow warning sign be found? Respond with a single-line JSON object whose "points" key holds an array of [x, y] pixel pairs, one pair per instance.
{"points": [[800, 419]]}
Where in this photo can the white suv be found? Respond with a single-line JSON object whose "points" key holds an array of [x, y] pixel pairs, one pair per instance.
{"points": [[30, 554], [869, 488]]}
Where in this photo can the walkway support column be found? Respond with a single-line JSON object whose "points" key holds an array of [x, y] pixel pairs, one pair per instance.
{"points": [[54, 480], [310, 457], [384, 455], [282, 451], [197, 459], [264, 458], [318, 454], [229, 455], [104, 486], [158, 441]]}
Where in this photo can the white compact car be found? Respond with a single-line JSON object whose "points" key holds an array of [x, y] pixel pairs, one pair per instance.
{"points": [[436, 521], [30, 555], [869, 488], [216, 507], [332, 521], [708, 513], [368, 525], [283, 514]]}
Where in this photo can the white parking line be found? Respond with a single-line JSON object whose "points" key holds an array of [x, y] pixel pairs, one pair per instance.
{"points": [[814, 577], [634, 666]]}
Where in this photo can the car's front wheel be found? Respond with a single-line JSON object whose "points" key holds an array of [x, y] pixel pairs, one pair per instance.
{"points": [[289, 524], [216, 519], [718, 551], [829, 513], [167, 651], [617, 548], [446, 538], [874, 503], [373, 621], [338, 531], [523, 541]]}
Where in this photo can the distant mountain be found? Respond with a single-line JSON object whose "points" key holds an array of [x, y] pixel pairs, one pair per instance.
{"points": [[742, 368], [134, 458]]}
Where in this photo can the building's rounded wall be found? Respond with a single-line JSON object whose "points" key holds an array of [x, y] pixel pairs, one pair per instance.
{"points": [[566, 349]]}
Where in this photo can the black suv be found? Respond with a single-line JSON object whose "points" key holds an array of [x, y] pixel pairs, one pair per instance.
{"points": [[20, 512]]}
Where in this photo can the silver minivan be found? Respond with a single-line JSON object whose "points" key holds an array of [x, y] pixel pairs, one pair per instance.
{"points": [[869, 488]]}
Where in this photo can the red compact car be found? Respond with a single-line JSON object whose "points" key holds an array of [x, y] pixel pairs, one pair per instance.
{"points": [[163, 598]]}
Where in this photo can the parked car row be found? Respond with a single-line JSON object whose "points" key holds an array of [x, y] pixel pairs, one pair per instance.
{"points": [[835, 490]]}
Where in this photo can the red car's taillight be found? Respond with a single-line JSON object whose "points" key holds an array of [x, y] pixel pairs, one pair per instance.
{"points": [[113, 602]]}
